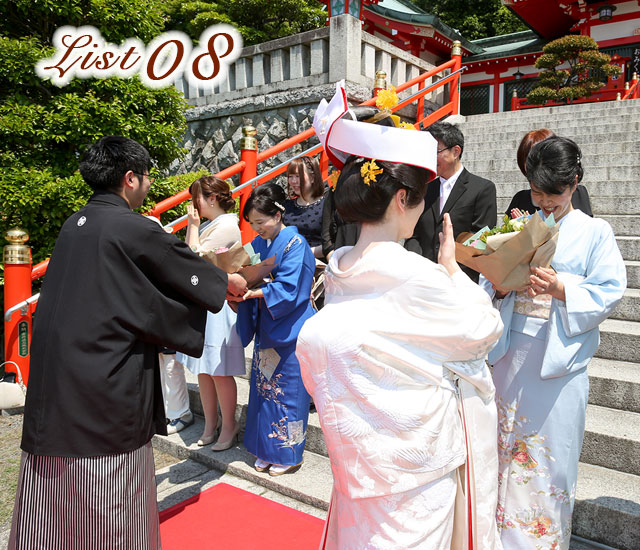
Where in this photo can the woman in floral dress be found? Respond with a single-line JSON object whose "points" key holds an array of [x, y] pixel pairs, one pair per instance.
{"points": [[551, 333]]}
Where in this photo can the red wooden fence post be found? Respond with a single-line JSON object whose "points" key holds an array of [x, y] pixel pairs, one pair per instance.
{"points": [[380, 82], [454, 95], [16, 257], [248, 155], [514, 100]]}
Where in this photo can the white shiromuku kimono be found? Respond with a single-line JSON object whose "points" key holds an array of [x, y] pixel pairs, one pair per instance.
{"points": [[381, 360], [542, 385]]}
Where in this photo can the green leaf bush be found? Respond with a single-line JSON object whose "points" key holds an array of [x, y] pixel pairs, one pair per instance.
{"points": [[586, 67]]}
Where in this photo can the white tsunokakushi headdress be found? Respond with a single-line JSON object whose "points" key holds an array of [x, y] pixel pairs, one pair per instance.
{"points": [[342, 137]]}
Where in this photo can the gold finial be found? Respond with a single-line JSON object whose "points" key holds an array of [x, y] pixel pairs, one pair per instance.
{"points": [[515, 93], [457, 48], [618, 97], [635, 76], [381, 81], [249, 140], [626, 86], [16, 252]]}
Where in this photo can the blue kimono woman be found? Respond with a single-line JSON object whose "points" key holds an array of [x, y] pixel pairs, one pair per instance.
{"points": [[274, 314]]}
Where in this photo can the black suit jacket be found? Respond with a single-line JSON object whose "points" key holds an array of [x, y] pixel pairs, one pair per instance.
{"points": [[471, 205]]}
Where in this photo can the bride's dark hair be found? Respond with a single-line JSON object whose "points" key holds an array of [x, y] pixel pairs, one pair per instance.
{"points": [[357, 201]]}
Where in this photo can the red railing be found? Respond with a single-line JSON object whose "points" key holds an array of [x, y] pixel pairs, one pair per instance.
{"points": [[606, 93], [18, 277]]}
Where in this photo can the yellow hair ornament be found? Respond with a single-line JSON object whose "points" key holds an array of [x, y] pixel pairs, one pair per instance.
{"points": [[387, 99], [333, 179], [369, 171], [407, 126]]}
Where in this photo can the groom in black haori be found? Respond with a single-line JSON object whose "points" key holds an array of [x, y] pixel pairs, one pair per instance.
{"points": [[117, 287]]}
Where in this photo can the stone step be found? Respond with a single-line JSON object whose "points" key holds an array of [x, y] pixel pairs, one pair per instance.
{"points": [[609, 108], [607, 507], [623, 225], [629, 307], [566, 127], [612, 439], [496, 150], [604, 133], [633, 274], [311, 484], [629, 247], [614, 384], [489, 163], [620, 341]]}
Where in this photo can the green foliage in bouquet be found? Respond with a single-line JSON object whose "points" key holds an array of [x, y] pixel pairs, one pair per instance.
{"points": [[256, 20], [586, 66], [508, 226]]}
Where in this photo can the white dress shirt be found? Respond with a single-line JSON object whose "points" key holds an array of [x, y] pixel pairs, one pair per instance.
{"points": [[446, 186]]}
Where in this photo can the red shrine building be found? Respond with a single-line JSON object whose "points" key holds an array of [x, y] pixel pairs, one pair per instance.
{"points": [[499, 66]]}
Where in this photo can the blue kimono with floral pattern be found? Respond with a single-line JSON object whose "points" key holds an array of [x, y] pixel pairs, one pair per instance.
{"points": [[278, 401]]}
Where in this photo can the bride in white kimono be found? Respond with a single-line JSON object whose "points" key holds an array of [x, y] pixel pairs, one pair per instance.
{"points": [[551, 333], [385, 359]]}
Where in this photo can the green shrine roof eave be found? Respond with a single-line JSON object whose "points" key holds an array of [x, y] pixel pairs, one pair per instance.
{"points": [[412, 15], [507, 45]]}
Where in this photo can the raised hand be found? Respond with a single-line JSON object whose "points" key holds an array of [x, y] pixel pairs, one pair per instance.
{"points": [[447, 252], [517, 213], [193, 218]]}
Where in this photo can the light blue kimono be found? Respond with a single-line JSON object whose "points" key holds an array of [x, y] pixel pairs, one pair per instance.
{"points": [[278, 407], [591, 267], [542, 386]]}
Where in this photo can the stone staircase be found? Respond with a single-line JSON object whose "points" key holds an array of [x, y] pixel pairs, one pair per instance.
{"points": [[608, 495]]}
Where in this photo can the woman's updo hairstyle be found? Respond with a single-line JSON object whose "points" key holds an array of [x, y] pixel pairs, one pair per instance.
{"points": [[268, 199], [553, 164], [358, 202], [211, 186]]}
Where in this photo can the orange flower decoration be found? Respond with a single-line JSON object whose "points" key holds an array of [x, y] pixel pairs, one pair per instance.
{"points": [[370, 170], [387, 99], [333, 179]]}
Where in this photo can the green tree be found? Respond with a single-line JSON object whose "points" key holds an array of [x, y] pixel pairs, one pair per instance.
{"points": [[474, 19], [586, 68], [256, 20], [44, 129]]}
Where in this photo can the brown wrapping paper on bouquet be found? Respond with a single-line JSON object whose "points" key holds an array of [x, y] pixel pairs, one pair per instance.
{"points": [[237, 260], [507, 260]]}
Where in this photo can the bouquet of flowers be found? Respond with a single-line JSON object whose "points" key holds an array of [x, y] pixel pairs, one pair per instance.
{"points": [[243, 260], [505, 254]]}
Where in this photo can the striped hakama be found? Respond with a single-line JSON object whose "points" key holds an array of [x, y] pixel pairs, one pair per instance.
{"points": [[86, 503]]}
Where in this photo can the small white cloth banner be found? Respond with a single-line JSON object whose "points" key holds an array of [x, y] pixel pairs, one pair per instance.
{"points": [[81, 52]]}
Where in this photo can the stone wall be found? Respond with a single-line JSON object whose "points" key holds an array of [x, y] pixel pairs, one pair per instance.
{"points": [[214, 131], [276, 87]]}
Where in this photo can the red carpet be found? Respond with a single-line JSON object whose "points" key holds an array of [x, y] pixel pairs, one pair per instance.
{"points": [[227, 518]]}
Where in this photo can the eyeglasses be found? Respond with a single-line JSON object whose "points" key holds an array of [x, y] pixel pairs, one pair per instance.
{"points": [[444, 149], [151, 178]]}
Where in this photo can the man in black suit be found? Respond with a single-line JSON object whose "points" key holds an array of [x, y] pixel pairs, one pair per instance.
{"points": [[469, 199]]}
